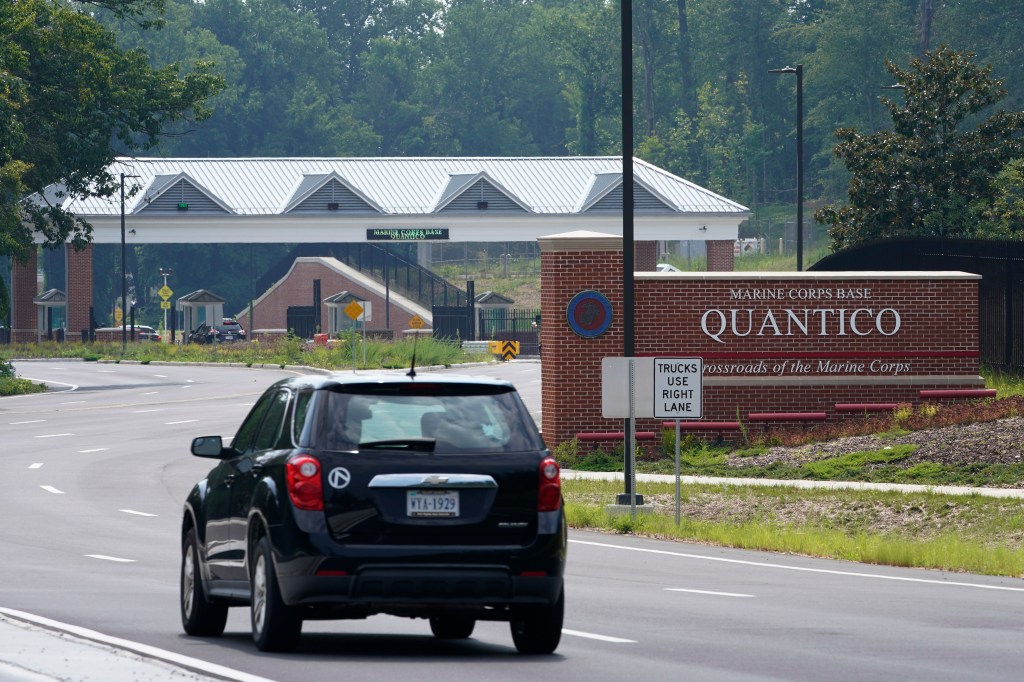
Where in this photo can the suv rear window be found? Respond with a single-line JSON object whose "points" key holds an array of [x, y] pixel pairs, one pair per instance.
{"points": [[460, 418]]}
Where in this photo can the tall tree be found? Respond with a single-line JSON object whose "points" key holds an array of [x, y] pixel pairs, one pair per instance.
{"points": [[927, 176], [72, 101]]}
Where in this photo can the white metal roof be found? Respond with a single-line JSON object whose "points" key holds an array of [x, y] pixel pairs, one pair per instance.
{"points": [[254, 199]]}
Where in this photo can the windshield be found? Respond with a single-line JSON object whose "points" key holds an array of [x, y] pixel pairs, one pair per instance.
{"points": [[452, 418]]}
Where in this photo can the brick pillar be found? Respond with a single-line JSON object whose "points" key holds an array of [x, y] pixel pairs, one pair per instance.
{"points": [[720, 255], [24, 287], [571, 371], [645, 256], [79, 290]]}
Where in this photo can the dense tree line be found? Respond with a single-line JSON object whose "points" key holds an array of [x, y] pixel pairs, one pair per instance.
{"points": [[541, 77]]}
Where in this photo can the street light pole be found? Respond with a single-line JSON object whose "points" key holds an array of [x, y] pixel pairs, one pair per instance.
{"points": [[124, 270], [799, 71]]}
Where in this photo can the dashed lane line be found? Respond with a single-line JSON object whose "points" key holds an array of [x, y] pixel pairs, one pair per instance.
{"points": [[36, 465], [51, 489], [54, 435], [708, 592], [144, 411], [85, 452], [183, 421], [136, 513], [600, 638], [115, 559], [30, 421]]}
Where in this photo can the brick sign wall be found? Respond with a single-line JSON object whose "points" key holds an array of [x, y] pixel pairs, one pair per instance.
{"points": [[773, 344]]}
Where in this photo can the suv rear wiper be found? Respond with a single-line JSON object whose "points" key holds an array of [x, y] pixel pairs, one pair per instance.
{"points": [[413, 444]]}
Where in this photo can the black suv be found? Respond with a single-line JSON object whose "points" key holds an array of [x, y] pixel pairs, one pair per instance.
{"points": [[350, 495]]}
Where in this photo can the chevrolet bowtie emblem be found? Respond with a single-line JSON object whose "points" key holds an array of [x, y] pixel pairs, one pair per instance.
{"points": [[434, 479]]}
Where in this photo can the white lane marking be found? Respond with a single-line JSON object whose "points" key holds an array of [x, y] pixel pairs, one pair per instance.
{"points": [[142, 649], [186, 386], [715, 594], [160, 376], [55, 435], [105, 371], [143, 411], [83, 452], [37, 465], [150, 393], [70, 387], [183, 421], [191, 381], [72, 402], [136, 513], [104, 557], [805, 569], [51, 489], [601, 638], [30, 421]]}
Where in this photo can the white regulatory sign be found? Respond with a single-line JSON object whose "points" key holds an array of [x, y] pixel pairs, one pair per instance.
{"points": [[678, 385]]}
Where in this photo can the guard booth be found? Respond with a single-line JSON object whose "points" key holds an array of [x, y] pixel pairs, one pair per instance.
{"points": [[199, 307], [51, 306], [338, 309]]}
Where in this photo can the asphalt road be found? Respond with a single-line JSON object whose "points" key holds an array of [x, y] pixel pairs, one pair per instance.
{"points": [[94, 475]]}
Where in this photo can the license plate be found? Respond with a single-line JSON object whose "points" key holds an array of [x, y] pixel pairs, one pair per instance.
{"points": [[438, 503], [228, 337]]}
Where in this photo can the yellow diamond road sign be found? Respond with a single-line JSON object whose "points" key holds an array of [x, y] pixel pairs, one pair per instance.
{"points": [[165, 305], [416, 322], [118, 315], [165, 292], [354, 310]]}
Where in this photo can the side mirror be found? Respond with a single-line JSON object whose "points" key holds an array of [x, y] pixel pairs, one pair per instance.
{"points": [[208, 446]]}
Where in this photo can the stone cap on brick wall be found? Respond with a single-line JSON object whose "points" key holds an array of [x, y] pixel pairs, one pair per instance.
{"points": [[813, 275], [580, 240]]}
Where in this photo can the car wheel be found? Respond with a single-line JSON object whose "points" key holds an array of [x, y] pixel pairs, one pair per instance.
{"points": [[452, 628], [275, 625], [539, 630], [199, 617]]}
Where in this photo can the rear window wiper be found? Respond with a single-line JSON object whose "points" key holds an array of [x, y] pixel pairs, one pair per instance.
{"points": [[412, 444]]}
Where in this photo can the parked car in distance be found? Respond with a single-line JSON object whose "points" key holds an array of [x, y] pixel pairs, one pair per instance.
{"points": [[229, 330], [349, 495], [142, 333]]}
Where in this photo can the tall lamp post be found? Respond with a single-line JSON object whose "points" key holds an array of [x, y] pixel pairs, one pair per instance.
{"points": [[799, 71], [124, 270]]}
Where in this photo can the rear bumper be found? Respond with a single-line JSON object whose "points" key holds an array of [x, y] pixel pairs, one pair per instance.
{"points": [[316, 570]]}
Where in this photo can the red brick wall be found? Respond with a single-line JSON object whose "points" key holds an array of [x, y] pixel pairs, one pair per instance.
{"points": [[24, 287], [79, 290], [774, 368], [645, 256], [297, 290], [720, 255]]}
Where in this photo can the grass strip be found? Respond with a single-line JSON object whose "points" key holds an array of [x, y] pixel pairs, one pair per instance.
{"points": [[920, 530]]}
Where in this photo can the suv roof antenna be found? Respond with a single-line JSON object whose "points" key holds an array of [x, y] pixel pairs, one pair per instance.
{"points": [[412, 367]]}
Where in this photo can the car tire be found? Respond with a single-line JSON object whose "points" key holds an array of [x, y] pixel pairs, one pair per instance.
{"points": [[199, 617], [538, 630], [449, 627], [275, 625]]}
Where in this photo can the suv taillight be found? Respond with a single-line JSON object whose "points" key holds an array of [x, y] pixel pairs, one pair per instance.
{"points": [[549, 491], [304, 485]]}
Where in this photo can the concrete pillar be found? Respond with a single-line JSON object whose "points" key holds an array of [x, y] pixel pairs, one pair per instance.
{"points": [[720, 255], [79, 290], [571, 372], [24, 287]]}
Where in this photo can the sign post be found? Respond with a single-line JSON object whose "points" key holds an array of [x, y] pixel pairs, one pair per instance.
{"points": [[678, 394], [354, 310]]}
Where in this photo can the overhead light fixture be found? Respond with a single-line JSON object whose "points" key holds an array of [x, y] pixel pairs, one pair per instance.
{"points": [[703, 228]]}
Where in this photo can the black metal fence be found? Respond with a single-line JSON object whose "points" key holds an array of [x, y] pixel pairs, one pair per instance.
{"points": [[1000, 294], [500, 324]]}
